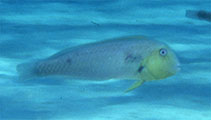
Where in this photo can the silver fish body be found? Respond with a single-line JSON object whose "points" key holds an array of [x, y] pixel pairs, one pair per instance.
{"points": [[112, 59]]}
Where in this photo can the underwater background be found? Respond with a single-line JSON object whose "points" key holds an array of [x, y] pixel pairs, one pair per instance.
{"points": [[36, 29]]}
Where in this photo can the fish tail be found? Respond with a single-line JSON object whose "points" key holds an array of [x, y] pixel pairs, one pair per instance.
{"points": [[191, 14], [27, 70]]}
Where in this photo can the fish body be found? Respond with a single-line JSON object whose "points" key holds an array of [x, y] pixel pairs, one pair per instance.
{"points": [[120, 58], [201, 15]]}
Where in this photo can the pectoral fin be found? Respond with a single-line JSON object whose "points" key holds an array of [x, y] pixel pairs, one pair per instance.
{"points": [[135, 85]]}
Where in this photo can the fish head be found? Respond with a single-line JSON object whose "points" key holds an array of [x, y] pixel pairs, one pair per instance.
{"points": [[161, 63]]}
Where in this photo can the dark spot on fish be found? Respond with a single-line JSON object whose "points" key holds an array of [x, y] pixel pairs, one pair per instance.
{"points": [[132, 58], [140, 69], [69, 61]]}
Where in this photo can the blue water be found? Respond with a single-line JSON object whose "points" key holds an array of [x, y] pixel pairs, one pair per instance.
{"points": [[35, 29]]}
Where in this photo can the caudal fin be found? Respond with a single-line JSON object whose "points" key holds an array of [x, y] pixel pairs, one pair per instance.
{"points": [[27, 70]]}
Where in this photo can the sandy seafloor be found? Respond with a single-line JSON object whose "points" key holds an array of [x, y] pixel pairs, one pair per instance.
{"points": [[35, 29]]}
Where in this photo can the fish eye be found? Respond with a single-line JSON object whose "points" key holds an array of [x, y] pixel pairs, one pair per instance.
{"points": [[163, 52]]}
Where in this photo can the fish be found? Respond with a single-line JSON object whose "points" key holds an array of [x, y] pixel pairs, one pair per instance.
{"points": [[125, 58], [201, 15]]}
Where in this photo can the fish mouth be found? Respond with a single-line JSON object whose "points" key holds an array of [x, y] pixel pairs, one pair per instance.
{"points": [[178, 67], [175, 69]]}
